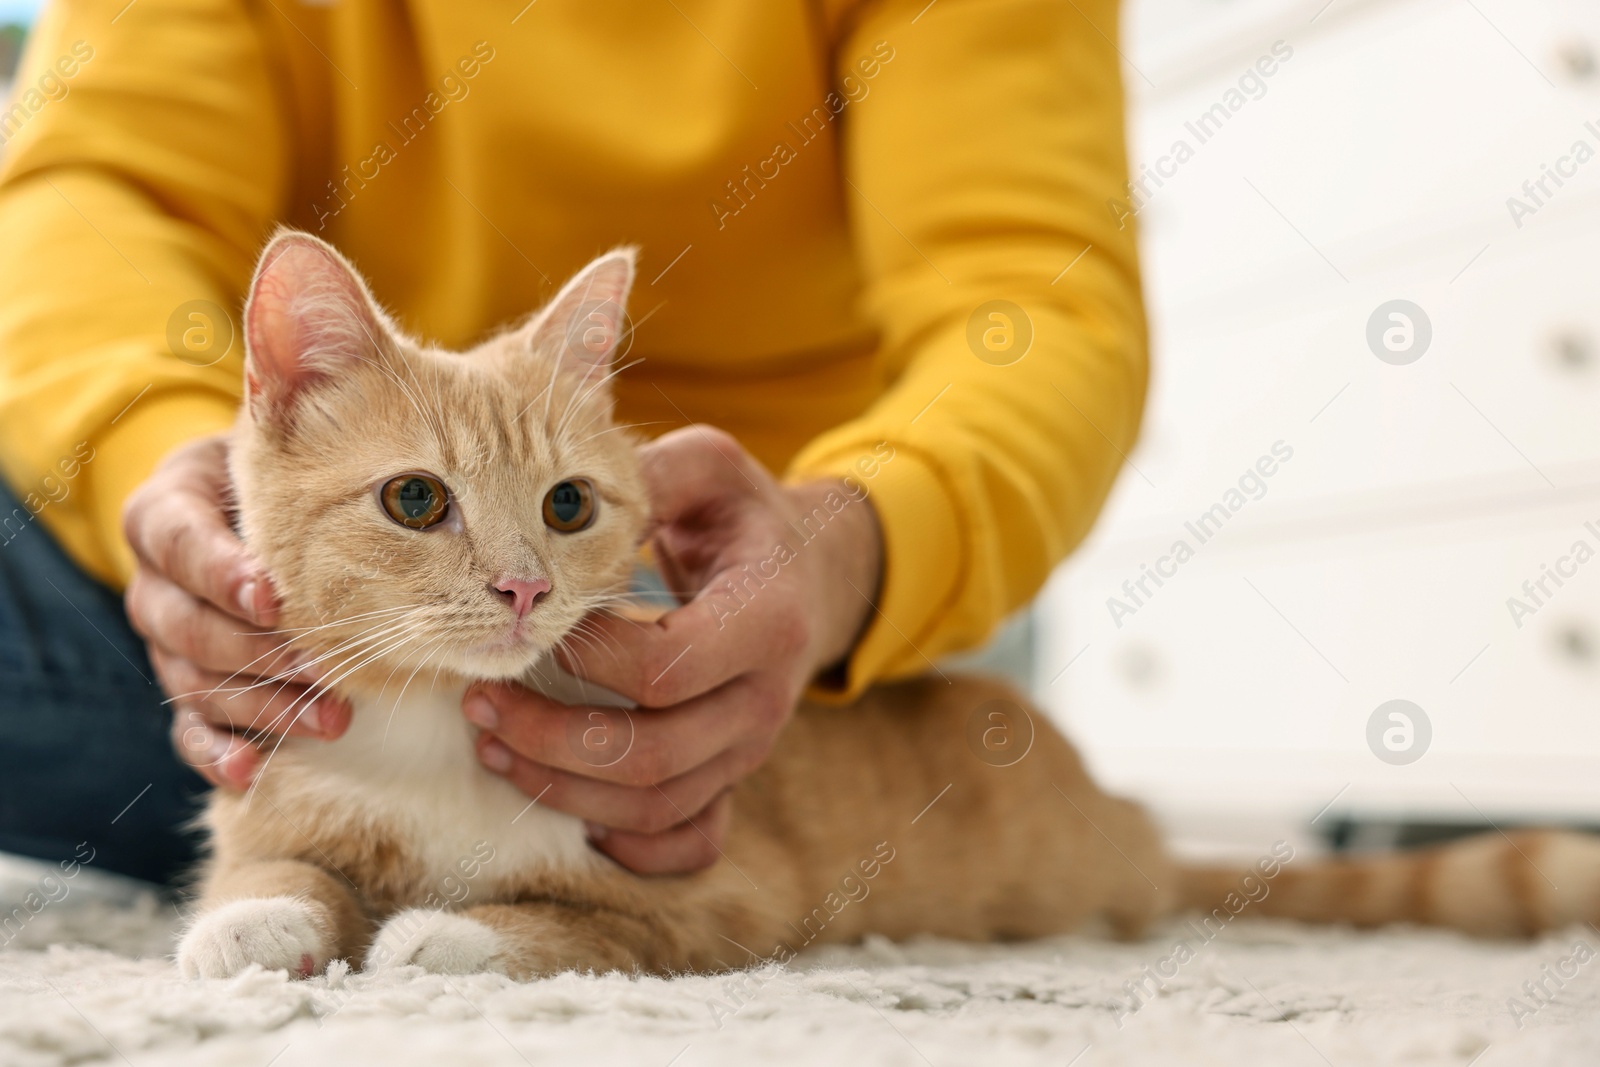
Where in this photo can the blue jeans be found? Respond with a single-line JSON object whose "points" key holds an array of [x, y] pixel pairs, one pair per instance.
{"points": [[84, 749]]}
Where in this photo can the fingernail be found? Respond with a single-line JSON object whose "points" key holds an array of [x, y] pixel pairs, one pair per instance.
{"points": [[496, 757], [334, 715], [480, 712], [240, 768], [247, 599], [217, 751], [594, 831], [311, 717], [303, 668]]}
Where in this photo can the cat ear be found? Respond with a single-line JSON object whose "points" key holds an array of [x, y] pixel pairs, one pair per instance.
{"points": [[309, 317], [588, 320]]}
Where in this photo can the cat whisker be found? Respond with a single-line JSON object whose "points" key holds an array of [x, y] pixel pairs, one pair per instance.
{"points": [[543, 392], [303, 630], [326, 687], [441, 419], [436, 425], [279, 650], [436, 645], [591, 639], [376, 631], [550, 387], [355, 647], [619, 426], [577, 400], [312, 694], [283, 679], [563, 431], [555, 370], [380, 627]]}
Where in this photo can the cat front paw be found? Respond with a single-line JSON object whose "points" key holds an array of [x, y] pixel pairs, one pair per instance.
{"points": [[280, 933], [441, 942]]}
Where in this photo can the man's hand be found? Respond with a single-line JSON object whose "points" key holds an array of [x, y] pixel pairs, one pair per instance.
{"points": [[202, 604], [781, 580]]}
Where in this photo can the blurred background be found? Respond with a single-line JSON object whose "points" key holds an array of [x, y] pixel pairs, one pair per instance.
{"points": [[1369, 232], [15, 16], [1440, 459]]}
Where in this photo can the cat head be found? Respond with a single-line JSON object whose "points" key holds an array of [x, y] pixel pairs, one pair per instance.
{"points": [[419, 509]]}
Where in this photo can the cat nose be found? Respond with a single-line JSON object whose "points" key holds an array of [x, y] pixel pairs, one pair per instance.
{"points": [[521, 594]]}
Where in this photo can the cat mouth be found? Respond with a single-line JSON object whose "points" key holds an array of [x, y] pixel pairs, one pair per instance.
{"points": [[510, 648], [501, 649], [497, 659], [512, 638]]}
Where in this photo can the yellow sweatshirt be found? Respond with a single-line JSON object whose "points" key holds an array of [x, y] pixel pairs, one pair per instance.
{"points": [[831, 198]]}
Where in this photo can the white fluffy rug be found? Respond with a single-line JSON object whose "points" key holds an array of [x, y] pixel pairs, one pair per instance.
{"points": [[90, 981]]}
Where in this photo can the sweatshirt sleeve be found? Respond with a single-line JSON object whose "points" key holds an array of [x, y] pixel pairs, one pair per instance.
{"points": [[143, 155], [980, 173]]}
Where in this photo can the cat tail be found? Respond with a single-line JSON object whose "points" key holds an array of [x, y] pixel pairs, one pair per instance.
{"points": [[1493, 884]]}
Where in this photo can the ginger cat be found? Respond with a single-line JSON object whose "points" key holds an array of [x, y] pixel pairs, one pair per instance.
{"points": [[433, 518]]}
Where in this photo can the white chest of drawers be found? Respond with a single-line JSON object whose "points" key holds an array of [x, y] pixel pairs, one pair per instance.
{"points": [[1417, 150]]}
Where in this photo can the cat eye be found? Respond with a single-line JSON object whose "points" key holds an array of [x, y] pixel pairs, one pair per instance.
{"points": [[569, 506], [415, 500]]}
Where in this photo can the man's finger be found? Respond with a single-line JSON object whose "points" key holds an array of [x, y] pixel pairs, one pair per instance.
{"points": [[221, 757], [639, 810], [692, 846], [642, 747], [170, 617], [714, 638], [689, 468], [246, 702], [186, 537]]}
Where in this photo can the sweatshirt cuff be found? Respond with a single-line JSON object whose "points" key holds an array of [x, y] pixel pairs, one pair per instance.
{"points": [[125, 453], [925, 561]]}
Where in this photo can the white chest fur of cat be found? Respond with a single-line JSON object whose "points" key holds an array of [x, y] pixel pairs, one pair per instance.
{"points": [[408, 760]]}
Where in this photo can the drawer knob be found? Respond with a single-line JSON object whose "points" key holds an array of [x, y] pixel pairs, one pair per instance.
{"points": [[1139, 664], [1577, 59], [1576, 643], [1574, 350]]}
